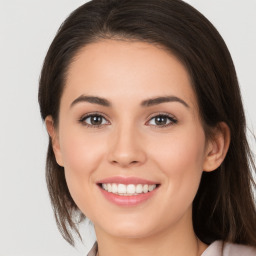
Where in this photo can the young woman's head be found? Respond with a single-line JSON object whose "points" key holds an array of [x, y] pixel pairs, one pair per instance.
{"points": [[144, 92]]}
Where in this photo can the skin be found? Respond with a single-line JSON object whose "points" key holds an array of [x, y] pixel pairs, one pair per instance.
{"points": [[129, 142]]}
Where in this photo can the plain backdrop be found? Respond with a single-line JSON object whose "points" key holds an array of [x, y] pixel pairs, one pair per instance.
{"points": [[27, 27]]}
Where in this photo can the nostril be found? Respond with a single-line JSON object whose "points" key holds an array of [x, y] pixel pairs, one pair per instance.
{"points": [[124, 163]]}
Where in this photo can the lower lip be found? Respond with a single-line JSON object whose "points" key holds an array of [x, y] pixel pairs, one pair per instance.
{"points": [[128, 200]]}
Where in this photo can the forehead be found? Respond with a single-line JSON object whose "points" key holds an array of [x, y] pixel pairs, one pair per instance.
{"points": [[125, 70]]}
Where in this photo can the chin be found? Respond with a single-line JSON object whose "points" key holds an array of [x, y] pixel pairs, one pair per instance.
{"points": [[129, 229]]}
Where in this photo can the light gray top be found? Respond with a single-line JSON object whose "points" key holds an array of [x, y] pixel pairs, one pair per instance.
{"points": [[218, 248]]}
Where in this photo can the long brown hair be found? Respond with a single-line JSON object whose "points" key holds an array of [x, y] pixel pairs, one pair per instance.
{"points": [[224, 207]]}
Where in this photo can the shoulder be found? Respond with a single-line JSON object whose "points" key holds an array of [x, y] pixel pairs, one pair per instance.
{"points": [[220, 248], [237, 250]]}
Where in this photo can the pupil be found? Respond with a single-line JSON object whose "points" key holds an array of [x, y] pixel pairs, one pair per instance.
{"points": [[96, 120], [160, 120]]}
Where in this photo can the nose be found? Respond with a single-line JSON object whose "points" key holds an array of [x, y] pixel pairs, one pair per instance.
{"points": [[126, 148]]}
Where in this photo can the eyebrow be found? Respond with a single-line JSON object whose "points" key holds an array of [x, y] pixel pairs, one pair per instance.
{"points": [[91, 99], [145, 103], [159, 100]]}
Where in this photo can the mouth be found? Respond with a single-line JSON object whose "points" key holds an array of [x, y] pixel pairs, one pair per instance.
{"points": [[127, 191]]}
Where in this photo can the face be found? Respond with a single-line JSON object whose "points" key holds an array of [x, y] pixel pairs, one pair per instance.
{"points": [[130, 138]]}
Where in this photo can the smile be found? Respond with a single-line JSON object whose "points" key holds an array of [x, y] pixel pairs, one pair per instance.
{"points": [[128, 190]]}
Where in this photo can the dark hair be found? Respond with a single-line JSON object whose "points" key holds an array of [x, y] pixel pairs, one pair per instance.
{"points": [[224, 207]]}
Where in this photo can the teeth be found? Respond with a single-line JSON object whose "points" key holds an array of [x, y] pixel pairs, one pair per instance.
{"points": [[139, 189], [151, 188], [126, 190], [145, 188], [114, 188], [130, 189], [121, 189]]}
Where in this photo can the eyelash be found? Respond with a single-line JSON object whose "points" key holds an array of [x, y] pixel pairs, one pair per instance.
{"points": [[95, 114], [172, 120]]}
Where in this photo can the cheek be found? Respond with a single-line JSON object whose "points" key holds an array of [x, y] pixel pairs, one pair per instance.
{"points": [[181, 158], [180, 149], [81, 155]]}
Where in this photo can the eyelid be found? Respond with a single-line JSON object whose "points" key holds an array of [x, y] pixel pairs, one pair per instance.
{"points": [[95, 113], [172, 118]]}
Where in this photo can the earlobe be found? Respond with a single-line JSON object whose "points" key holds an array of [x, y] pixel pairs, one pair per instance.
{"points": [[217, 148], [54, 139]]}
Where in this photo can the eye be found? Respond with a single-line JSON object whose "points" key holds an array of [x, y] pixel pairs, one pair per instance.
{"points": [[94, 120], [162, 120]]}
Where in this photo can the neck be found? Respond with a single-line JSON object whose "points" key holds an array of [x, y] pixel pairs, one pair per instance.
{"points": [[175, 241]]}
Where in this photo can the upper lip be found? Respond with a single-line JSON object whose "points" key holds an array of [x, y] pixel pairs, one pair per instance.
{"points": [[126, 180]]}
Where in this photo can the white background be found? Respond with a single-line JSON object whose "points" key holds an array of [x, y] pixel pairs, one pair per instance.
{"points": [[27, 27]]}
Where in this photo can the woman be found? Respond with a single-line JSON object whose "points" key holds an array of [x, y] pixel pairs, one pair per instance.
{"points": [[147, 132]]}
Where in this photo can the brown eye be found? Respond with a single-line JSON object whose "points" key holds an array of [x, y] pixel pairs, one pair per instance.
{"points": [[162, 120], [94, 120]]}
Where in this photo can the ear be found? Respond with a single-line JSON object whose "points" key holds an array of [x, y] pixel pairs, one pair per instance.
{"points": [[51, 129], [217, 147]]}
